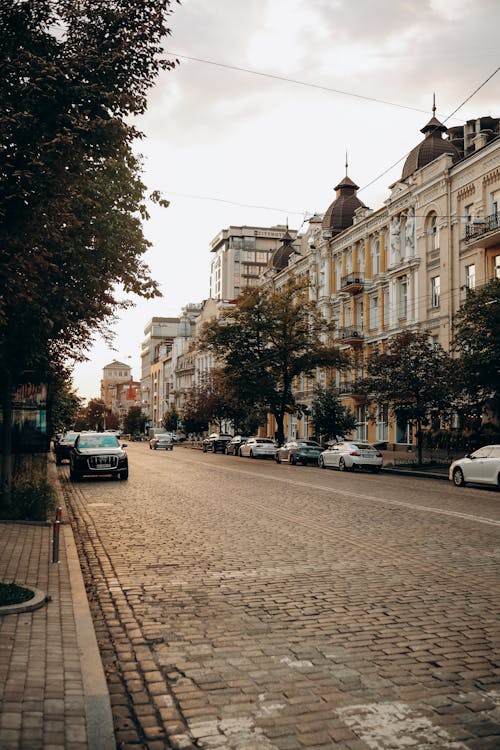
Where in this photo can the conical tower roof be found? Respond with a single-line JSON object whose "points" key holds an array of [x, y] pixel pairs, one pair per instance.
{"points": [[281, 256], [340, 213], [433, 146]]}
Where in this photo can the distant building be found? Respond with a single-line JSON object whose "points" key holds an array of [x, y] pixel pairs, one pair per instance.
{"points": [[114, 374], [240, 255]]}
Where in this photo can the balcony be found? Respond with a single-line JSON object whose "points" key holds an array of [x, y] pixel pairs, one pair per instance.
{"points": [[351, 335], [483, 231], [351, 388], [352, 283]]}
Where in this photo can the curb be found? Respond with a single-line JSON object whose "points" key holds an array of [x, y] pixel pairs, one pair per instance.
{"points": [[98, 715], [38, 599], [415, 473]]}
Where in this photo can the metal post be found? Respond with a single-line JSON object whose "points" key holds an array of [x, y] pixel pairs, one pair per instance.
{"points": [[59, 514], [56, 528]]}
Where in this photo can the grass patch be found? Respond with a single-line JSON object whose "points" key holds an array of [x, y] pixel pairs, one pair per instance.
{"points": [[10, 593]]}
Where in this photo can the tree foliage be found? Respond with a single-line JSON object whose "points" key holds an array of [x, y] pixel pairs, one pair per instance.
{"points": [[134, 420], [264, 343], [71, 195], [413, 378], [64, 403], [477, 343], [329, 417], [171, 419]]}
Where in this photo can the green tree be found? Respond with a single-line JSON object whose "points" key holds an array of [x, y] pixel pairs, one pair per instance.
{"points": [[266, 341], [97, 413], [477, 343], [413, 378], [64, 404], [330, 418], [171, 419], [133, 422], [72, 76]]}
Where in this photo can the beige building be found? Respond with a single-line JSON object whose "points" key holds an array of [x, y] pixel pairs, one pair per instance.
{"points": [[407, 265], [113, 375]]}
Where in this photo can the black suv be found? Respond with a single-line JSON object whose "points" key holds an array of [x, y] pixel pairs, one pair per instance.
{"points": [[216, 442]]}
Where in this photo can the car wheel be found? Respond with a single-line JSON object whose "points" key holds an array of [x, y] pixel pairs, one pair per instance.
{"points": [[204, 449], [375, 469], [321, 462], [150, 447], [342, 466], [277, 458], [74, 476], [458, 477], [251, 454], [293, 460], [124, 474]]}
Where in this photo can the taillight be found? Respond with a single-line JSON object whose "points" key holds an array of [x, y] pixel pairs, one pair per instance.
{"points": [[354, 453]]}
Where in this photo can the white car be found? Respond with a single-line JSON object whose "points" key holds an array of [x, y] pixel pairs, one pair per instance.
{"points": [[480, 467], [257, 447], [351, 455]]}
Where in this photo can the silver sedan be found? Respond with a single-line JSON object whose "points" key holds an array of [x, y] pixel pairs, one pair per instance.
{"points": [[351, 455], [257, 447]]}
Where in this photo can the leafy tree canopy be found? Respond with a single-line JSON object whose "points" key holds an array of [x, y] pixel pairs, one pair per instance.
{"points": [[266, 341], [330, 418], [477, 342], [133, 422], [72, 74], [413, 377]]}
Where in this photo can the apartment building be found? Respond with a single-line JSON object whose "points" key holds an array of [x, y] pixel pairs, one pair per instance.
{"points": [[240, 255], [405, 266], [159, 335]]}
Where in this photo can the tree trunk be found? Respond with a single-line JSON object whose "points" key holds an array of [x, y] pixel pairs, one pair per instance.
{"points": [[6, 475], [280, 432], [419, 443]]}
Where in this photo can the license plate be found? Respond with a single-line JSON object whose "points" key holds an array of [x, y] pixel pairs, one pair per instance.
{"points": [[103, 463]]}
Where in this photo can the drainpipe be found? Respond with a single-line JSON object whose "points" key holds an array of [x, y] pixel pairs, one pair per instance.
{"points": [[450, 259]]}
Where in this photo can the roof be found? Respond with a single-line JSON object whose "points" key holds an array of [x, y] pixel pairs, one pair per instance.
{"points": [[433, 146], [340, 213]]}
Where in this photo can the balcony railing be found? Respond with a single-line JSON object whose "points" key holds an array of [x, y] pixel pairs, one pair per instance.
{"points": [[352, 282], [481, 226], [351, 334]]}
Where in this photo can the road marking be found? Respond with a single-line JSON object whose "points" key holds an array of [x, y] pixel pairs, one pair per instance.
{"points": [[361, 496]]}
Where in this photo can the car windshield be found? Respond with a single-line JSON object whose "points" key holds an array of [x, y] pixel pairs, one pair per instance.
{"points": [[98, 441], [70, 437]]}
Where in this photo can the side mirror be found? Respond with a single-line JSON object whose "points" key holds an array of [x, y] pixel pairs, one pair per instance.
{"points": [[124, 445]]}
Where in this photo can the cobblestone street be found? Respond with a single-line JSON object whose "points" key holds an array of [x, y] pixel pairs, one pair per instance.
{"points": [[244, 605]]}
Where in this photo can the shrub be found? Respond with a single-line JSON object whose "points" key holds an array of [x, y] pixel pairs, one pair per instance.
{"points": [[32, 496]]}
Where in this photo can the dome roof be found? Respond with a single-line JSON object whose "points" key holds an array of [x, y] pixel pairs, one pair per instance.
{"points": [[340, 213], [430, 148], [280, 257]]}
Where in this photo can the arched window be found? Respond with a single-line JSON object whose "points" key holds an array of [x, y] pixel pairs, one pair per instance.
{"points": [[432, 233]]}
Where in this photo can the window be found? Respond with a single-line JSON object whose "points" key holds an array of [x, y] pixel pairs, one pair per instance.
{"points": [[402, 297], [495, 200], [361, 431], [470, 276], [433, 234], [435, 291], [496, 267], [382, 422], [468, 213], [376, 257], [386, 306], [373, 312]]}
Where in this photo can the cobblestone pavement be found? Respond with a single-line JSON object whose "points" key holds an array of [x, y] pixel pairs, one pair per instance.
{"points": [[243, 605]]}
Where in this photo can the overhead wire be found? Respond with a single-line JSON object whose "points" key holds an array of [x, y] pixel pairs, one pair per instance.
{"points": [[331, 90]]}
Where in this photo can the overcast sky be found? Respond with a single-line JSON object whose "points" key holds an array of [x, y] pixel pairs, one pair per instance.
{"points": [[228, 146]]}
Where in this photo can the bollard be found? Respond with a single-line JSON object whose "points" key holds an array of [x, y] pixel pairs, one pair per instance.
{"points": [[59, 514], [56, 528]]}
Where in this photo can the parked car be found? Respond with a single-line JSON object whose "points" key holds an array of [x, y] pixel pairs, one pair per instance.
{"points": [[63, 446], [351, 455], [257, 447], [216, 442], [480, 467], [163, 441], [96, 454], [234, 445], [299, 452]]}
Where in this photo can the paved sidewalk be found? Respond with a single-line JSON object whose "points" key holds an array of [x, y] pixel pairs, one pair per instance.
{"points": [[53, 692]]}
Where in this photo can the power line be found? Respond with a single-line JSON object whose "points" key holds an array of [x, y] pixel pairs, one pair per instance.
{"points": [[369, 184], [296, 81]]}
